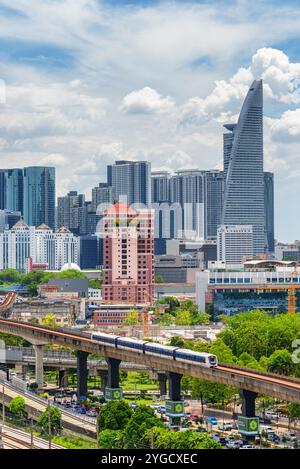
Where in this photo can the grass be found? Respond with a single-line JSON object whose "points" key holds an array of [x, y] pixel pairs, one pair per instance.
{"points": [[75, 442]]}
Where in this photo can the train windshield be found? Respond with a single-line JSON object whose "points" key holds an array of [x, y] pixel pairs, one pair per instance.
{"points": [[212, 359]]}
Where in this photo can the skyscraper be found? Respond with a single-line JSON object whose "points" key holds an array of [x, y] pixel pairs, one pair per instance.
{"points": [[39, 196], [131, 181], [128, 251], [244, 196], [15, 190], [269, 210], [102, 194]]}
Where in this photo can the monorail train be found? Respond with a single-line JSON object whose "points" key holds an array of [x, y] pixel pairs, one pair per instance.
{"points": [[151, 348]]}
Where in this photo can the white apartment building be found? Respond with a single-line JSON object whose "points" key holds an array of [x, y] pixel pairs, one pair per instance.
{"points": [[42, 245]]}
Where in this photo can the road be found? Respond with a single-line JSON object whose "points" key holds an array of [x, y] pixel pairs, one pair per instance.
{"points": [[18, 439], [69, 420]]}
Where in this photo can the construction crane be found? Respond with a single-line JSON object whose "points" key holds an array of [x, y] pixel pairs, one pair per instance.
{"points": [[291, 290]]}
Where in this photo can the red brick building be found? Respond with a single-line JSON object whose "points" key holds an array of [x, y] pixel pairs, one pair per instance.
{"points": [[128, 255]]}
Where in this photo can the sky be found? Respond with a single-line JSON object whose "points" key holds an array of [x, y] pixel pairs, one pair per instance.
{"points": [[86, 82]]}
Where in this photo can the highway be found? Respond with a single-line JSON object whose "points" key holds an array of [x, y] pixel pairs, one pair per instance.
{"points": [[243, 378], [18, 439]]}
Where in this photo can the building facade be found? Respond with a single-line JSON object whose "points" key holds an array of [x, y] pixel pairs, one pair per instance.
{"points": [[244, 197], [234, 243], [39, 196], [130, 181], [128, 255]]}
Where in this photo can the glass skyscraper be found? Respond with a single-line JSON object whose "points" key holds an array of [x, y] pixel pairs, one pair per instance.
{"points": [[39, 196], [269, 210], [244, 196]]}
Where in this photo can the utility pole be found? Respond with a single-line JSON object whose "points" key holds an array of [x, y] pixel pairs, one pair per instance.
{"points": [[3, 405], [31, 434], [49, 422]]}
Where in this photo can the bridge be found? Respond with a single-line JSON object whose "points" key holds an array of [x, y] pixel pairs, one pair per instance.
{"points": [[250, 382]]}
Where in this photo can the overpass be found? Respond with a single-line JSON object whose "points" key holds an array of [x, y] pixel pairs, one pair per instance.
{"points": [[248, 381]]}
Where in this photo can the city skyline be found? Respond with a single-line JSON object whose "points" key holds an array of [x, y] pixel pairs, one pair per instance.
{"points": [[66, 104]]}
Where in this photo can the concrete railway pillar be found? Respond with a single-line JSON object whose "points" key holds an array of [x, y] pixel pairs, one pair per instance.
{"points": [[174, 405], [39, 365], [104, 378], [63, 378], [82, 374], [162, 380], [248, 402], [113, 390], [174, 386]]}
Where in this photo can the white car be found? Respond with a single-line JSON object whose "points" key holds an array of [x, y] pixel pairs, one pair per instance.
{"points": [[248, 447]]}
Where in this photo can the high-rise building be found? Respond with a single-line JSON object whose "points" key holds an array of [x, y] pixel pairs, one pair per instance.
{"points": [[234, 243], [23, 245], [39, 196], [102, 194], [67, 210], [91, 252], [269, 211], [244, 196], [8, 219], [56, 248], [130, 181], [213, 202], [128, 255], [17, 246], [15, 190], [160, 183]]}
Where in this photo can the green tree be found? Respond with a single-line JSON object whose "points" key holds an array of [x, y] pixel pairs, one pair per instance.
{"points": [[111, 439], [183, 317], [166, 319], [17, 407], [132, 318], [55, 420], [114, 416], [171, 301], [176, 341], [49, 321], [10, 276], [161, 438], [281, 362], [293, 412], [142, 419]]}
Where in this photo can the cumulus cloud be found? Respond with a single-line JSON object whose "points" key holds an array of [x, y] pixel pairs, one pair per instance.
{"points": [[281, 80], [146, 101]]}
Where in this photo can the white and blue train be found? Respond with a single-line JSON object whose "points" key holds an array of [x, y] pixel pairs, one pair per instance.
{"points": [[151, 348]]}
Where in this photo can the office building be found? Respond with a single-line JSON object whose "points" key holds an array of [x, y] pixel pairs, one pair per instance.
{"points": [[246, 288], [244, 196], [102, 195], [8, 219], [130, 181], [269, 211], [128, 255], [39, 196], [91, 252], [234, 243]]}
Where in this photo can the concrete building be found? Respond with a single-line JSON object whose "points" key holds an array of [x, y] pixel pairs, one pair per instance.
{"points": [[103, 194], [24, 246], [36, 309], [177, 269], [234, 243], [229, 290], [71, 285], [130, 181], [128, 254]]}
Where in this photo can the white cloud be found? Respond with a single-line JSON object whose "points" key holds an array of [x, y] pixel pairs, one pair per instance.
{"points": [[146, 101], [280, 76]]}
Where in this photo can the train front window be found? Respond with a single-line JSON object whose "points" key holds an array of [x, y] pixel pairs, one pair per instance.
{"points": [[212, 360]]}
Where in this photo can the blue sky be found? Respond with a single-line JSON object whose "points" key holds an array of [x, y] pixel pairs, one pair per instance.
{"points": [[86, 82]]}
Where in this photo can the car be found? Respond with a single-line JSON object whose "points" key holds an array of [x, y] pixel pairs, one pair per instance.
{"points": [[161, 410], [248, 447], [91, 413], [81, 410], [211, 420], [225, 426], [133, 405], [271, 414], [232, 445]]}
